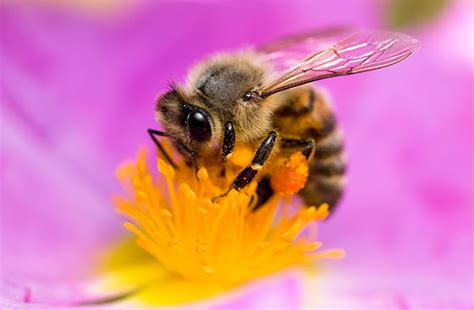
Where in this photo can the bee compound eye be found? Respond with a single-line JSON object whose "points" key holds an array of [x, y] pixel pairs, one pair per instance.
{"points": [[199, 126]]}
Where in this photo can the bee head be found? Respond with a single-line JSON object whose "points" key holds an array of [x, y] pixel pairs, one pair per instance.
{"points": [[228, 86], [188, 121]]}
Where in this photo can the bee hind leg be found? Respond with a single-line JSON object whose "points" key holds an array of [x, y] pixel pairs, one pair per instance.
{"points": [[264, 188], [307, 146]]}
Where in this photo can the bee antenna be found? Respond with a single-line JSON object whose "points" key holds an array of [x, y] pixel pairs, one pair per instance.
{"points": [[153, 133]]}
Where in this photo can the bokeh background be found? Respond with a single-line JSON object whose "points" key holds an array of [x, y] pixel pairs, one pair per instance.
{"points": [[78, 84]]}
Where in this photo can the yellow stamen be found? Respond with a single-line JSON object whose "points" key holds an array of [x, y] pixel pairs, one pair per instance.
{"points": [[218, 242]]}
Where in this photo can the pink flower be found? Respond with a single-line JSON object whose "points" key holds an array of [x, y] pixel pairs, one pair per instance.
{"points": [[78, 88]]}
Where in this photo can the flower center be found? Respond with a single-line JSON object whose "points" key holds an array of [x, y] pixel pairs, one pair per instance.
{"points": [[222, 241]]}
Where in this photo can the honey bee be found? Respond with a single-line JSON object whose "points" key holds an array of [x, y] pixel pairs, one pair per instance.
{"points": [[259, 97]]}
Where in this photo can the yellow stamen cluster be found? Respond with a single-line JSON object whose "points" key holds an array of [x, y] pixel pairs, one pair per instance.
{"points": [[220, 240]]}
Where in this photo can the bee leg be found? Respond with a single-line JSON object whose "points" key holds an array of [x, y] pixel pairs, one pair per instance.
{"points": [[264, 192], [306, 145], [195, 164], [153, 133], [229, 142], [264, 189], [248, 173], [191, 158]]}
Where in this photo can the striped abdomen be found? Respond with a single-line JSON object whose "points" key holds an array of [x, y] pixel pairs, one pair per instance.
{"points": [[307, 114]]}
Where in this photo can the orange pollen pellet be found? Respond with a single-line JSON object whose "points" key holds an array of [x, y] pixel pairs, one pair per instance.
{"points": [[291, 177]]}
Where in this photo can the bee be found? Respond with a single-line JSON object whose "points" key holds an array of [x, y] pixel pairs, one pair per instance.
{"points": [[259, 97]]}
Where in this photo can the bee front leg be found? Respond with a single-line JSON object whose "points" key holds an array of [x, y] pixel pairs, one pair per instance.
{"points": [[190, 155], [229, 142]]}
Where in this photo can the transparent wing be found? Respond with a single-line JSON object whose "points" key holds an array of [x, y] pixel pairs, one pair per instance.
{"points": [[291, 50], [338, 52]]}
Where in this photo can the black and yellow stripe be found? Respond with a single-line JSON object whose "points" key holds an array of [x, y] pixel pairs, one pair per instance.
{"points": [[308, 115]]}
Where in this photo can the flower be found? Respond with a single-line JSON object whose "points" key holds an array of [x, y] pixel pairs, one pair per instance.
{"points": [[210, 243], [77, 91]]}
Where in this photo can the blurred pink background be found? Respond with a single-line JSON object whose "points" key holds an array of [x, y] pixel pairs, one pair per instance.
{"points": [[78, 87]]}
